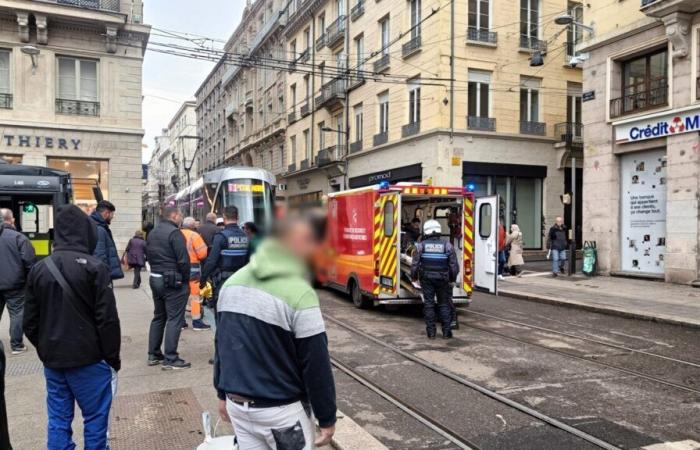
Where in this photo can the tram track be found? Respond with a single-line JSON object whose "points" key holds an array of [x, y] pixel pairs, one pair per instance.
{"points": [[589, 359], [435, 424]]}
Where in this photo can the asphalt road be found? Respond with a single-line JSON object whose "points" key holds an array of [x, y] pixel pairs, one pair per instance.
{"points": [[582, 382]]}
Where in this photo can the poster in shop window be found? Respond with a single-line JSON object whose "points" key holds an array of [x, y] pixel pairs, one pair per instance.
{"points": [[643, 212]]}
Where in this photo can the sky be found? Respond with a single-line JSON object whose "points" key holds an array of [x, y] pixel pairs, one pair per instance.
{"points": [[170, 80]]}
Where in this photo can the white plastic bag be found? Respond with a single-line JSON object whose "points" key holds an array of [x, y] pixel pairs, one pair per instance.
{"points": [[215, 443]]}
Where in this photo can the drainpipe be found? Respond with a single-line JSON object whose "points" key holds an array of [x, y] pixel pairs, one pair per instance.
{"points": [[347, 94], [452, 70]]}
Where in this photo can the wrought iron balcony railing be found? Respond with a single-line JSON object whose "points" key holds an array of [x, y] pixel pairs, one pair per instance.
{"points": [[336, 31], [332, 93], [321, 42], [410, 129], [6, 101], [304, 164], [356, 146], [304, 56], [305, 108], [292, 117], [411, 47], [357, 10], [570, 133], [292, 168], [532, 43], [380, 138], [639, 101], [77, 107], [330, 155], [104, 5], [534, 128], [481, 36], [382, 63], [481, 123]]}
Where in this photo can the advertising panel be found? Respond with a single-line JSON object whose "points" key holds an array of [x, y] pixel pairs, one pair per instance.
{"points": [[677, 122], [643, 212]]}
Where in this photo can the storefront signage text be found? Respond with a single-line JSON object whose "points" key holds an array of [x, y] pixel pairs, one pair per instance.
{"points": [[380, 177], [11, 140], [662, 126]]}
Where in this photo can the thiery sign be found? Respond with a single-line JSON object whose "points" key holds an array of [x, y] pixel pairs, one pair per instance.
{"points": [[658, 126]]}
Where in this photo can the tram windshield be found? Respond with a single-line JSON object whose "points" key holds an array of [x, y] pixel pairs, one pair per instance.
{"points": [[253, 198]]}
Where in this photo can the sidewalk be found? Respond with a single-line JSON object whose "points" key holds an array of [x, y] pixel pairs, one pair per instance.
{"points": [[153, 409], [642, 299]]}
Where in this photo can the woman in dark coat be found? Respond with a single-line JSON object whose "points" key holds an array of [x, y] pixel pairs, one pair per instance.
{"points": [[136, 256]]}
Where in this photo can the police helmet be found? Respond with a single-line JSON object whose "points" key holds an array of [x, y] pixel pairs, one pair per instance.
{"points": [[432, 227]]}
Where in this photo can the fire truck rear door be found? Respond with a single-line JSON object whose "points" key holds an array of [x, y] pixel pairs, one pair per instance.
{"points": [[386, 242], [486, 244]]}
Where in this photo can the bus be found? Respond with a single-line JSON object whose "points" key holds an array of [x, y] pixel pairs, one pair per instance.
{"points": [[250, 189], [33, 194]]}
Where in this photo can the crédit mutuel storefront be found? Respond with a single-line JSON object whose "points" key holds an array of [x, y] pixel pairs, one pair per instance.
{"points": [[655, 231]]}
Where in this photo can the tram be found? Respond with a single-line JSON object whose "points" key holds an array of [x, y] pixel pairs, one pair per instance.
{"points": [[250, 189], [34, 194]]}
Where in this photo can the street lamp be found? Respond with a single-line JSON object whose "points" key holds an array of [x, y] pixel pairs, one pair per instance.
{"points": [[189, 168], [33, 52]]}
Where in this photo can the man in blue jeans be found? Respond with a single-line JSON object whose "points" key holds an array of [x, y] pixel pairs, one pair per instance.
{"points": [[70, 316], [557, 243]]}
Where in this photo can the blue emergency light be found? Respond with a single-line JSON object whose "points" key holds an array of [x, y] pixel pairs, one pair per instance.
{"points": [[384, 185], [471, 187]]}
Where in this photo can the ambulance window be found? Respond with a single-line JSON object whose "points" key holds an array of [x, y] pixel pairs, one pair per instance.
{"points": [[485, 220], [389, 218]]}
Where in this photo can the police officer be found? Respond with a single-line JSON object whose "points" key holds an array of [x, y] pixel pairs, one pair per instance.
{"points": [[229, 252], [435, 265], [170, 276]]}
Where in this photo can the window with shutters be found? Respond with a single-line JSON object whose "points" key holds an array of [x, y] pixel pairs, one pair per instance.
{"points": [[77, 86]]}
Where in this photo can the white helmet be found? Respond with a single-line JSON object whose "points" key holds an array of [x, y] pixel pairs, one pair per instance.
{"points": [[432, 227]]}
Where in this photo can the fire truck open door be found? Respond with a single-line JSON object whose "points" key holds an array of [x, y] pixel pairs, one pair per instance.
{"points": [[486, 244], [386, 244]]}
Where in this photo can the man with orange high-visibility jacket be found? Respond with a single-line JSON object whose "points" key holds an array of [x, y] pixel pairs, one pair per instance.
{"points": [[197, 249]]}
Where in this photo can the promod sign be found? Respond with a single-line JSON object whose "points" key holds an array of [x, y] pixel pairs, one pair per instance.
{"points": [[658, 126]]}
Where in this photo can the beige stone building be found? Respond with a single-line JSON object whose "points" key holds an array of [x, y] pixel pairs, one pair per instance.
{"points": [[70, 96], [183, 139], [641, 119], [372, 96]]}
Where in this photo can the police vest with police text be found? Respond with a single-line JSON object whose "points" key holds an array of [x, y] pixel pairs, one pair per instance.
{"points": [[234, 253], [434, 259]]}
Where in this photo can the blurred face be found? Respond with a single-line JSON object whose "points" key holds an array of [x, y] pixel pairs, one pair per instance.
{"points": [[416, 225], [108, 215], [177, 218], [301, 241], [197, 223], [560, 221]]}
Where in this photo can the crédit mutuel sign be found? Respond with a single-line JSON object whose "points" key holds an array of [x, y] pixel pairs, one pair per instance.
{"points": [[26, 141], [658, 126]]}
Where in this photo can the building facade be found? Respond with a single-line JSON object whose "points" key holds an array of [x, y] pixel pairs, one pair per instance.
{"points": [[70, 96], [372, 96], [642, 117], [183, 139]]}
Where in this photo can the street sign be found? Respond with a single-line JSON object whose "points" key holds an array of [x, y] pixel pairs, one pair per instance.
{"points": [[588, 96]]}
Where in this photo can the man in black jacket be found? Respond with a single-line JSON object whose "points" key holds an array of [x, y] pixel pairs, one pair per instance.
{"points": [[106, 249], [170, 276], [557, 244], [208, 229], [71, 318], [17, 256]]}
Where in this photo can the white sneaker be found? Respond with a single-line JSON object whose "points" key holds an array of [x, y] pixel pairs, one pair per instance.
{"points": [[19, 350], [501, 277]]}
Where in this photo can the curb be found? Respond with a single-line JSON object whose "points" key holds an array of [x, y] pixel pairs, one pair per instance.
{"points": [[351, 436], [611, 311]]}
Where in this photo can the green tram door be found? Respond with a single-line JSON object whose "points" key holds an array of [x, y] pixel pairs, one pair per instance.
{"points": [[33, 194]]}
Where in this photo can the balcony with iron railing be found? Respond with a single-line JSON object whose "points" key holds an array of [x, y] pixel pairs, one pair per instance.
{"points": [[357, 78], [356, 146], [533, 128], [382, 63], [481, 123], [570, 53], [380, 138], [639, 101], [305, 108], [570, 133], [292, 168], [291, 117], [5, 101], [411, 47], [357, 10], [99, 5], [304, 56], [336, 32], [481, 36], [303, 165], [332, 94], [410, 129], [532, 43], [330, 155], [77, 107], [320, 42]]}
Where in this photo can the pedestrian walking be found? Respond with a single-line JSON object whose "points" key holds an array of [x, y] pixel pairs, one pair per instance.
{"points": [[169, 281], [4, 429], [208, 229], [435, 265], [17, 256], [197, 251], [229, 253], [136, 257], [106, 249], [557, 243], [272, 369], [515, 255], [502, 253], [71, 318], [254, 237]]}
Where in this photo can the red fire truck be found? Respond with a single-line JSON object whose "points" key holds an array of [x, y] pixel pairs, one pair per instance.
{"points": [[369, 244]]}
